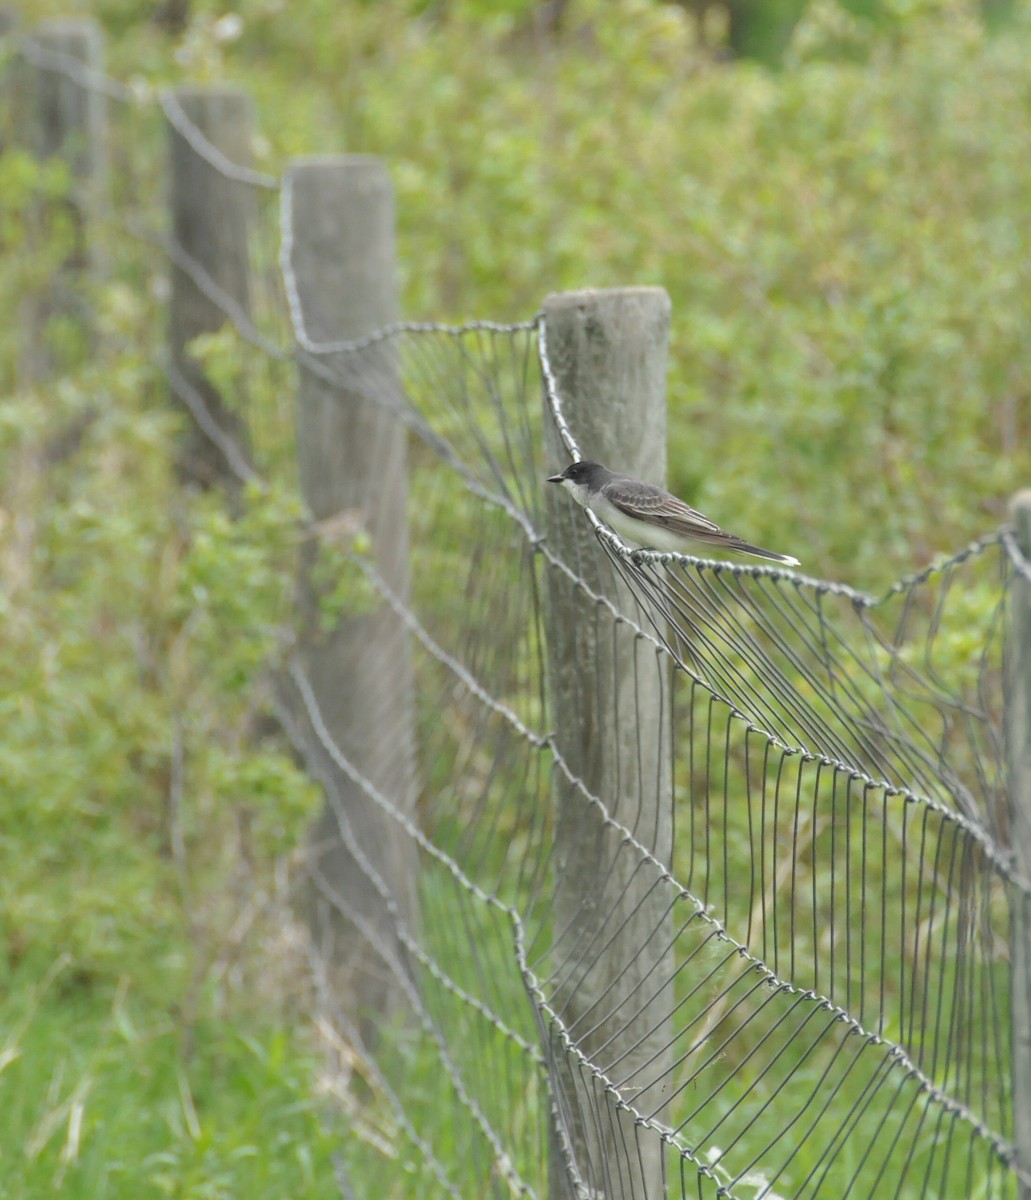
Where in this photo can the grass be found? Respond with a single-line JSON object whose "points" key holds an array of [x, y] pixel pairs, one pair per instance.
{"points": [[103, 1098]]}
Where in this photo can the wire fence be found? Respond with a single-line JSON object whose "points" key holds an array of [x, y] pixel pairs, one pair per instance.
{"points": [[676, 877]]}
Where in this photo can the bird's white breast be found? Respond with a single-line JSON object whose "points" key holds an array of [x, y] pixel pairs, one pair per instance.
{"points": [[577, 490]]}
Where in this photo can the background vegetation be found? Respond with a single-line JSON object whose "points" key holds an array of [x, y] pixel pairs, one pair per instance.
{"points": [[841, 223]]}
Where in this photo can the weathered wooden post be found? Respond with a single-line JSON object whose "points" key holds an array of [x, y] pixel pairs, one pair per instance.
{"points": [[353, 464], [64, 117], [9, 21], [1018, 744], [8, 29], [610, 696], [210, 138]]}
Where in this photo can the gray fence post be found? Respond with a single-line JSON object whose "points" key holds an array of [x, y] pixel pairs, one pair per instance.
{"points": [[64, 117], [212, 211], [610, 697], [353, 465], [1018, 742]]}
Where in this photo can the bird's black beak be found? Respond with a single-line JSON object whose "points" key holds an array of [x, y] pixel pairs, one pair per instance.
{"points": [[556, 478]]}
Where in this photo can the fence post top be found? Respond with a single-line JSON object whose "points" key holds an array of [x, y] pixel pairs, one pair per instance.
{"points": [[590, 297], [208, 91], [353, 165], [87, 27], [1020, 506]]}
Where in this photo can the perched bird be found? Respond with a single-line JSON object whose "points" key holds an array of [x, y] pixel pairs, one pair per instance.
{"points": [[647, 515]]}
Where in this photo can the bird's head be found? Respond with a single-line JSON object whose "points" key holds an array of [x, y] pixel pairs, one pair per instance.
{"points": [[584, 476]]}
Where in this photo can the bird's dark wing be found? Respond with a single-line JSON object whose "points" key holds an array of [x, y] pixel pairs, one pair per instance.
{"points": [[646, 502]]}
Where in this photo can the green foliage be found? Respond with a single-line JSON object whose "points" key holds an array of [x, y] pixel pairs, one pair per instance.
{"points": [[844, 241], [145, 1052], [236, 574], [99, 1099], [340, 585]]}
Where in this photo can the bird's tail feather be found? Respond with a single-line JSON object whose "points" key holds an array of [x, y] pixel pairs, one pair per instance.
{"points": [[735, 543]]}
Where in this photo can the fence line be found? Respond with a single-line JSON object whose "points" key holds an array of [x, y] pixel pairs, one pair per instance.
{"points": [[713, 889], [1018, 744]]}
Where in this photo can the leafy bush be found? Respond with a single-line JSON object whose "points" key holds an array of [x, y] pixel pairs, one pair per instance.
{"points": [[147, 833], [841, 239]]}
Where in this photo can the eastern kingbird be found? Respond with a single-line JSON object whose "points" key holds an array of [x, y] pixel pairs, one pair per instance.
{"points": [[647, 515]]}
